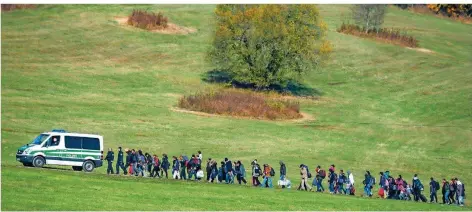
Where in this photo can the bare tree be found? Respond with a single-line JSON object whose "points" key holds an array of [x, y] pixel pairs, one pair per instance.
{"points": [[370, 16]]}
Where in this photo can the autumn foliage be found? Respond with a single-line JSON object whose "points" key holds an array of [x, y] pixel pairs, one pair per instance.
{"points": [[10, 7], [147, 20], [389, 35], [242, 103], [264, 45]]}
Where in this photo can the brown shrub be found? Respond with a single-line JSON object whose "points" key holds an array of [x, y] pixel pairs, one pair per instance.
{"points": [[10, 7], [237, 102], [387, 35], [147, 20]]}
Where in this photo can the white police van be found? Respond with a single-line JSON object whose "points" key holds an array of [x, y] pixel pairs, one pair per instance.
{"points": [[58, 147]]}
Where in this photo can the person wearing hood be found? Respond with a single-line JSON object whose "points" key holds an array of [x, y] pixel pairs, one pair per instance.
{"points": [[460, 192], [283, 170]]}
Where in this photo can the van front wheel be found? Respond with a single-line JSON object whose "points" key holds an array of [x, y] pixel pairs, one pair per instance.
{"points": [[88, 166], [38, 161]]}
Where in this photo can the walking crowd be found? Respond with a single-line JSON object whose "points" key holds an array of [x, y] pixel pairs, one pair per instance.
{"points": [[184, 168]]}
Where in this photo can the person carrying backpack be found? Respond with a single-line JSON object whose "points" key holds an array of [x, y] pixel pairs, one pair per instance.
{"points": [[256, 173], [368, 182], [340, 183], [267, 173], [240, 172], [304, 185], [156, 164], [283, 170], [164, 165], [417, 188], [433, 188], [320, 175]]}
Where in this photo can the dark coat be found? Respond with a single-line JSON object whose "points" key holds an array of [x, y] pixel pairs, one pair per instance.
{"points": [[283, 169], [120, 157], [110, 156]]}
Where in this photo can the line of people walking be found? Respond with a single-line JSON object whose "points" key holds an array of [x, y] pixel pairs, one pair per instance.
{"points": [[185, 168]]}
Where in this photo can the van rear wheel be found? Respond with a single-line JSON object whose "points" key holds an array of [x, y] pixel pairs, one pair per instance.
{"points": [[88, 166], [77, 168], [38, 161]]}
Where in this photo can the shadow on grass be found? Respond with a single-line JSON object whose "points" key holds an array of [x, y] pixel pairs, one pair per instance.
{"points": [[293, 88]]}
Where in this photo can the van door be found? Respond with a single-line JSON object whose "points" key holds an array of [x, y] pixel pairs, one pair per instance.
{"points": [[52, 151], [73, 151]]}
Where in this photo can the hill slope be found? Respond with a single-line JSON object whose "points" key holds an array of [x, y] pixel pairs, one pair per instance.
{"points": [[383, 107]]}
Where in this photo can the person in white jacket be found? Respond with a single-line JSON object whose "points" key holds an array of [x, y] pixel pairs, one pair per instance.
{"points": [[350, 184]]}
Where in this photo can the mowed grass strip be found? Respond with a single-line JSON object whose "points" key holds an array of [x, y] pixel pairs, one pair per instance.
{"points": [[81, 191]]}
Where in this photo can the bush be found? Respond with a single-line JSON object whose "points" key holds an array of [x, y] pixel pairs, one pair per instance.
{"points": [[237, 102], [269, 44], [10, 7], [384, 34], [145, 20]]}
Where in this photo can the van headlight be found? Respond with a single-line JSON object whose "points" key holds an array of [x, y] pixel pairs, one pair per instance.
{"points": [[25, 152]]}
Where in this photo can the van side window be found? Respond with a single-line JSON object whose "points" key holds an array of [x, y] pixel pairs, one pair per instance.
{"points": [[72, 142], [91, 143], [55, 140]]}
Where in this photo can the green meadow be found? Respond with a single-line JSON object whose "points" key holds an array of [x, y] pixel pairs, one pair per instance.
{"points": [[381, 107]]}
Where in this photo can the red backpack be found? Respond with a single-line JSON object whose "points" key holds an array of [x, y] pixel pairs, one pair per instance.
{"points": [[322, 173]]}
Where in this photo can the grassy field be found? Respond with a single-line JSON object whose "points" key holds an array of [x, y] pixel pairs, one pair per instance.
{"points": [[382, 107]]}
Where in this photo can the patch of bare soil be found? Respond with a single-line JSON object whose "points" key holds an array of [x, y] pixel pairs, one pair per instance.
{"points": [[305, 116], [421, 50], [171, 28]]}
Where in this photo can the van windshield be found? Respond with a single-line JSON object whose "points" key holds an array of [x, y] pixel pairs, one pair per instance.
{"points": [[39, 140]]}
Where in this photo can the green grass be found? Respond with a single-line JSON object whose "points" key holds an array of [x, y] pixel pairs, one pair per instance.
{"points": [[74, 67]]}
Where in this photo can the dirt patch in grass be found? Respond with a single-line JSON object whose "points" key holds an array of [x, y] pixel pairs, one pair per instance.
{"points": [[421, 50], [170, 29], [242, 103]]}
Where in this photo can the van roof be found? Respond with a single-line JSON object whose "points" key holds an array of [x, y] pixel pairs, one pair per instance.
{"points": [[73, 134]]}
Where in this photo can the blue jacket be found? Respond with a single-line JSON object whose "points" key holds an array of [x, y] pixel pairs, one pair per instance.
{"points": [[175, 165], [228, 166], [165, 162]]}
